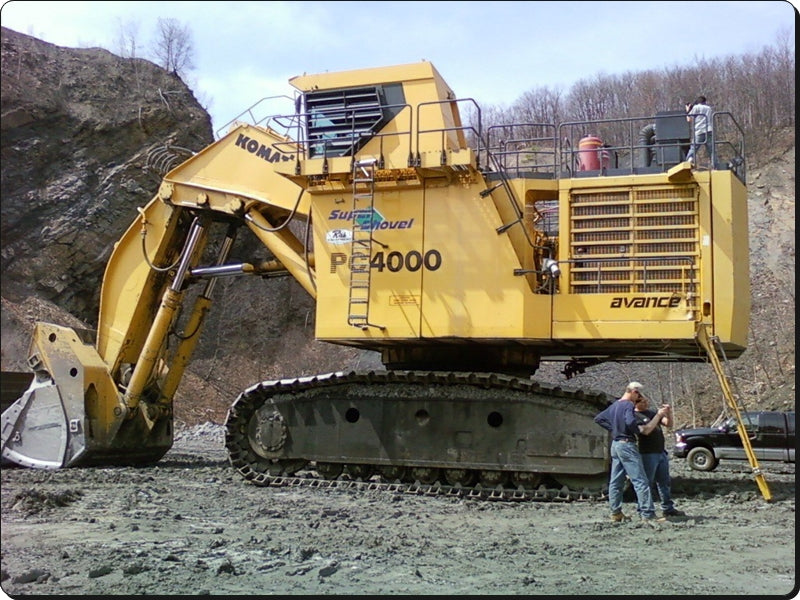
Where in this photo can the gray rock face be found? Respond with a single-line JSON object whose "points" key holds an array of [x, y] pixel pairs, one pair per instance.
{"points": [[77, 126]]}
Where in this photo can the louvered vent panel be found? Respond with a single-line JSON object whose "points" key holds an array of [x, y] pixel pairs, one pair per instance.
{"points": [[634, 241]]}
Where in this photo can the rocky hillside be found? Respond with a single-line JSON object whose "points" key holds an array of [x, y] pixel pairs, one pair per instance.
{"points": [[85, 135], [78, 125]]}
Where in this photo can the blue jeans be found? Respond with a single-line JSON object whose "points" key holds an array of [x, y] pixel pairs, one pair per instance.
{"points": [[702, 140], [656, 466], [626, 460]]}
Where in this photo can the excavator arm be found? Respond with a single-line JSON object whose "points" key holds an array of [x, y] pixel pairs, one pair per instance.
{"points": [[106, 398]]}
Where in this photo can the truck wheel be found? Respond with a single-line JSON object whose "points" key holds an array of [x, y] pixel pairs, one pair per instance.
{"points": [[702, 459]]}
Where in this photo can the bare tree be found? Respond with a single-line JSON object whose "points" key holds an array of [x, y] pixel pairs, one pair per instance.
{"points": [[126, 44], [173, 47], [539, 105], [126, 41]]}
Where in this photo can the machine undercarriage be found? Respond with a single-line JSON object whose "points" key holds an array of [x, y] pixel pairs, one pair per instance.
{"points": [[454, 429]]}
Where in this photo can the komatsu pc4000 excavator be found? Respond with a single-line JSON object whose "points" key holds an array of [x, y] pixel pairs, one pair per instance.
{"points": [[463, 255]]}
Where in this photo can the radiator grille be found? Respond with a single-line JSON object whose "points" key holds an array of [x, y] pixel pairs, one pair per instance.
{"points": [[634, 241]]}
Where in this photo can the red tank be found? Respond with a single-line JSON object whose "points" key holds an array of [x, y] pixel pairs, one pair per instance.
{"points": [[591, 155]]}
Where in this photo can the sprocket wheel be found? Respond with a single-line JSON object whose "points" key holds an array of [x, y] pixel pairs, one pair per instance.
{"points": [[392, 472], [492, 478], [362, 472], [426, 475], [267, 432], [592, 483], [526, 480]]}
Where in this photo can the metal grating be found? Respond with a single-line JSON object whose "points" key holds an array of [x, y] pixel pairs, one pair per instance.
{"points": [[634, 241], [341, 121]]}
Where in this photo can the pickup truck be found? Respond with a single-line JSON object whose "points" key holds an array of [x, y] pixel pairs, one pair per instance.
{"points": [[771, 435]]}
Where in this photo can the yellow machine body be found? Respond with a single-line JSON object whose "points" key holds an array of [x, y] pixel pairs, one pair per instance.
{"points": [[445, 247]]}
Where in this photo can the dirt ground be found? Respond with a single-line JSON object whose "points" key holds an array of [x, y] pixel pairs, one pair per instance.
{"points": [[192, 525]]}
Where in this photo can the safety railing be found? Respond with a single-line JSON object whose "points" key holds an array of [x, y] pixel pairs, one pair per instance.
{"points": [[728, 144], [346, 141], [465, 135], [524, 149], [600, 147], [641, 145], [263, 113]]}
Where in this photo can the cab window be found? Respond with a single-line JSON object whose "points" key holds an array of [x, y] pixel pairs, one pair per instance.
{"points": [[773, 423]]}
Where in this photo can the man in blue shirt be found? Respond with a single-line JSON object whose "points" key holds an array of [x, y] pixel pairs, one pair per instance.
{"points": [[620, 420]]}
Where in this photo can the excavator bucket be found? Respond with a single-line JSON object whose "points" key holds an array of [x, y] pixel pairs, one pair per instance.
{"points": [[35, 428], [72, 413]]}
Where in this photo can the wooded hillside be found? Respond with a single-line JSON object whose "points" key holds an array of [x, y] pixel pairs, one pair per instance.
{"points": [[757, 88]]}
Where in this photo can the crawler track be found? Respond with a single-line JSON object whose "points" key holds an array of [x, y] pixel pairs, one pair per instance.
{"points": [[268, 436], [542, 493]]}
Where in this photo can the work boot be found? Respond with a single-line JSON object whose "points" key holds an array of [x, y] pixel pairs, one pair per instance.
{"points": [[673, 512], [654, 520], [619, 517]]}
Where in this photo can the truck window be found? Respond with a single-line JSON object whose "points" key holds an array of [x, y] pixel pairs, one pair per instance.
{"points": [[749, 419], [772, 423]]}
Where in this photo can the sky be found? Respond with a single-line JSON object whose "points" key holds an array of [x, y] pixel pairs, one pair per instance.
{"points": [[492, 52]]}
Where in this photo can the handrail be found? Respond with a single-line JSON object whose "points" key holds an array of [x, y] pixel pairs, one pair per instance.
{"points": [[630, 145], [636, 147], [524, 150], [458, 128], [305, 143], [251, 114]]}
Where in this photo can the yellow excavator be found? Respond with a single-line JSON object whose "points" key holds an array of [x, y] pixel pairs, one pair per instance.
{"points": [[463, 254]]}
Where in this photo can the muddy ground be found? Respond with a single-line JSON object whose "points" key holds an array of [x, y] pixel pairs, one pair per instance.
{"points": [[191, 525]]}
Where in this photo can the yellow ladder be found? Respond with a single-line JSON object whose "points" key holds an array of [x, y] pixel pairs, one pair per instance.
{"points": [[708, 342], [363, 219]]}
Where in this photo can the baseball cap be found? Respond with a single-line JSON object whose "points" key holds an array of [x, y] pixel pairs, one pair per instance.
{"points": [[635, 386]]}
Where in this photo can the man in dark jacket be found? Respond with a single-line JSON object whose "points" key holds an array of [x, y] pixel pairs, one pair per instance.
{"points": [[655, 459], [620, 420]]}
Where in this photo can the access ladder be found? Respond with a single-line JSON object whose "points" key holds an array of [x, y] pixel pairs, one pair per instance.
{"points": [[708, 342], [363, 222]]}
